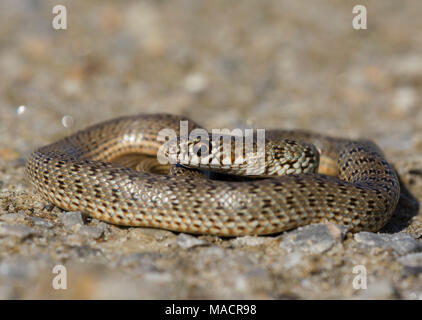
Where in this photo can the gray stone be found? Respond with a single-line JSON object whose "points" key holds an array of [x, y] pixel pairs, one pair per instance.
{"points": [[400, 243], [93, 232], [72, 221], [314, 238], [412, 263], [412, 259], [18, 231], [101, 225], [13, 217], [186, 241], [39, 222]]}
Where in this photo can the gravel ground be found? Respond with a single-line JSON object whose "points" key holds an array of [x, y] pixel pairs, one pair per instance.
{"points": [[264, 64]]}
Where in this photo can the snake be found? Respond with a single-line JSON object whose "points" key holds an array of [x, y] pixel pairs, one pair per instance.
{"points": [[353, 184]]}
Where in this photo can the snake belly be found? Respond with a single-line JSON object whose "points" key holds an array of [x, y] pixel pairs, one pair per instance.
{"points": [[76, 174]]}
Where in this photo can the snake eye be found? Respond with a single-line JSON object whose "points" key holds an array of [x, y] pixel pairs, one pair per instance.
{"points": [[202, 148]]}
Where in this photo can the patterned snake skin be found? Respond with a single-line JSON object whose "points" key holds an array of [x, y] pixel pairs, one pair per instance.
{"points": [[76, 174]]}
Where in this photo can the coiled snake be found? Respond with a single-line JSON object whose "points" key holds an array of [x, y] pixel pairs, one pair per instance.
{"points": [[76, 174]]}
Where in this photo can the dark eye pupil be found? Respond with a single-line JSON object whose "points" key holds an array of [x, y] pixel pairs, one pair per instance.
{"points": [[201, 149]]}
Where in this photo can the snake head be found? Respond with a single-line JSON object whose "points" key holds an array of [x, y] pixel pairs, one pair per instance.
{"points": [[196, 152], [238, 155]]}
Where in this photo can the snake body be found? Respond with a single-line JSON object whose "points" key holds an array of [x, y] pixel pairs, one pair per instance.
{"points": [[76, 174]]}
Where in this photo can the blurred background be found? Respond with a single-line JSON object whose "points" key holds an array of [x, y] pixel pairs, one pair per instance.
{"points": [[224, 63]]}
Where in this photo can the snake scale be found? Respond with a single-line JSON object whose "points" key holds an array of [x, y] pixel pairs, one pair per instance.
{"points": [[77, 173]]}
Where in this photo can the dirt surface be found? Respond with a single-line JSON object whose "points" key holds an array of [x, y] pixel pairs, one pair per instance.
{"points": [[264, 64]]}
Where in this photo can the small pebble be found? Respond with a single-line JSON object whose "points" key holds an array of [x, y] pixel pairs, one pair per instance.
{"points": [[94, 232], [72, 221], [186, 241], [405, 99], [400, 243], [39, 222], [314, 238], [195, 83]]}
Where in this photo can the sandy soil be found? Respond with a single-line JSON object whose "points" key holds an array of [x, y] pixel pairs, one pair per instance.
{"points": [[264, 64]]}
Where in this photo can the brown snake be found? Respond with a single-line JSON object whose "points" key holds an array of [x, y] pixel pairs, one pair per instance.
{"points": [[76, 174]]}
